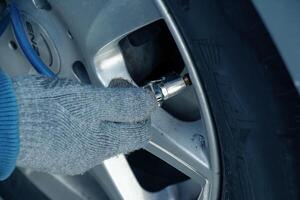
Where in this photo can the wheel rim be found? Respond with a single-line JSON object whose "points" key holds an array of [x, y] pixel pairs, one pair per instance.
{"points": [[190, 147]]}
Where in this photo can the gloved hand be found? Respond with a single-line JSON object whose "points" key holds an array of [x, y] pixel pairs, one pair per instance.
{"points": [[67, 128]]}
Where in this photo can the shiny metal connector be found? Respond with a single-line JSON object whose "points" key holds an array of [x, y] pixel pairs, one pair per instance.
{"points": [[168, 87]]}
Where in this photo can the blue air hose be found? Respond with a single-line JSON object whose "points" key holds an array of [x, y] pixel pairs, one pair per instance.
{"points": [[23, 41], [25, 45]]}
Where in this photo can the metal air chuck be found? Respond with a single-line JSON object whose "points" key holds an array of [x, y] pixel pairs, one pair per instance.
{"points": [[168, 87]]}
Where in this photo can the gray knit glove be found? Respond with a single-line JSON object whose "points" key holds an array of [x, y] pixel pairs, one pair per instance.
{"points": [[68, 128]]}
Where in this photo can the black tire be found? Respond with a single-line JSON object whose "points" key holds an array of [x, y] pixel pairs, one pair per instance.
{"points": [[253, 101]]}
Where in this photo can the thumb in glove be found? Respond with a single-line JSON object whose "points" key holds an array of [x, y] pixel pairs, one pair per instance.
{"points": [[67, 127]]}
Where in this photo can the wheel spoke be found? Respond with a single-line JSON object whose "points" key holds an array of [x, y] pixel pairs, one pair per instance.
{"points": [[81, 187], [108, 62], [181, 144], [119, 18], [119, 182]]}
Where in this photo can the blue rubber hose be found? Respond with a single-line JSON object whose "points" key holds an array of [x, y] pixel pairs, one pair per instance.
{"points": [[25, 45]]}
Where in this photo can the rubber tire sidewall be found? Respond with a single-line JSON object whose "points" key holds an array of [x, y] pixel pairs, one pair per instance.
{"points": [[254, 151]]}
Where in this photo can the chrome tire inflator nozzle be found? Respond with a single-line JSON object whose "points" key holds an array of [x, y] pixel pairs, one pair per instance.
{"points": [[168, 87]]}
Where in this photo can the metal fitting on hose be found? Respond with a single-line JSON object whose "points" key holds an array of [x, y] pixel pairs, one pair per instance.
{"points": [[168, 87]]}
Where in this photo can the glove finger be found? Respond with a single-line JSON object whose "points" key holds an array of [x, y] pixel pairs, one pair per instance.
{"points": [[110, 104], [113, 139], [120, 83], [66, 145], [89, 103]]}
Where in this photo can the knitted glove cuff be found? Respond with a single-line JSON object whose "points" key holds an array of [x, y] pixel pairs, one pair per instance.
{"points": [[9, 131]]}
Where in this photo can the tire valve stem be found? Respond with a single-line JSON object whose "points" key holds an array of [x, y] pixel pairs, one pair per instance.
{"points": [[168, 87]]}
